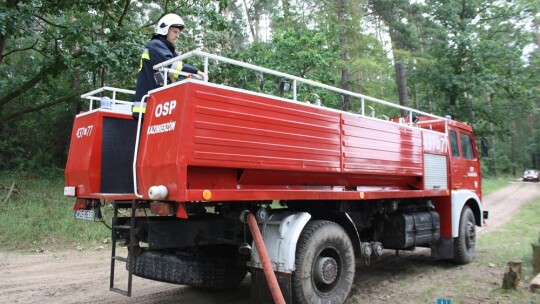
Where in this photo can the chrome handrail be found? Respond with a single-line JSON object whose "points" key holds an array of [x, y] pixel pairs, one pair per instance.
{"points": [[91, 95], [163, 67]]}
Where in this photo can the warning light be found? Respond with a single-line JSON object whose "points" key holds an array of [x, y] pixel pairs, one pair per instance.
{"points": [[80, 203], [207, 195], [159, 208]]}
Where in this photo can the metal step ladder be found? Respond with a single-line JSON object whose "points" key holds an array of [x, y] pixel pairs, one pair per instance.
{"points": [[129, 260]]}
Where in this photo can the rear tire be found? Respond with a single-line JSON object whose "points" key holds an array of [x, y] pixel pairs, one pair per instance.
{"points": [[324, 263], [465, 243], [210, 273]]}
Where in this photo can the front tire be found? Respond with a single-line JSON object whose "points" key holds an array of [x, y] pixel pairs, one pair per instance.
{"points": [[324, 263], [465, 243]]}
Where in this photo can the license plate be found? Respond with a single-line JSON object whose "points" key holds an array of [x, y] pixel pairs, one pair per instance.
{"points": [[85, 214]]}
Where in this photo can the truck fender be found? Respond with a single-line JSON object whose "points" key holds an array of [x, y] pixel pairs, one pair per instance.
{"points": [[281, 233], [460, 198]]}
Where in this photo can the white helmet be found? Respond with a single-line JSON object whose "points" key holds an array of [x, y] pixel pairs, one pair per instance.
{"points": [[162, 28]]}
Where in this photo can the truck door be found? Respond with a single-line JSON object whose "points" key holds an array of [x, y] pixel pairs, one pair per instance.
{"points": [[465, 168]]}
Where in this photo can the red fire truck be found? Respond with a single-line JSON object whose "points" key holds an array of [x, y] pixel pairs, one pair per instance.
{"points": [[217, 181]]}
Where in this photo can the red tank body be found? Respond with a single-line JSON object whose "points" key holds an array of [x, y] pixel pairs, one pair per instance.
{"points": [[242, 146]]}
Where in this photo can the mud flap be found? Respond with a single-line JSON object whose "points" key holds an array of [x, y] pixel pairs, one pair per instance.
{"points": [[443, 249], [259, 287]]}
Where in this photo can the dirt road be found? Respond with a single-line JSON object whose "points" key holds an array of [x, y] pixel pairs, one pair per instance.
{"points": [[83, 276]]}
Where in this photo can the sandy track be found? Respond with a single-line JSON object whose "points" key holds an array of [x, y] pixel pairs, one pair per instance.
{"points": [[504, 203], [83, 276]]}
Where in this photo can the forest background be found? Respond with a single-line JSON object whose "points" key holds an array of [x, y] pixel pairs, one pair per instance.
{"points": [[476, 60]]}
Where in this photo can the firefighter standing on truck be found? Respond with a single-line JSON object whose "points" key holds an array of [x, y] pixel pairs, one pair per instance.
{"points": [[161, 48]]}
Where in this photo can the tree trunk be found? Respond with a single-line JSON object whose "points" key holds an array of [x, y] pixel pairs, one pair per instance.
{"points": [[257, 26], [2, 46], [537, 27], [513, 148], [535, 284], [250, 23], [227, 16], [345, 72], [415, 97], [536, 257], [393, 15], [76, 105], [493, 152], [286, 10], [533, 135], [512, 276], [401, 81]]}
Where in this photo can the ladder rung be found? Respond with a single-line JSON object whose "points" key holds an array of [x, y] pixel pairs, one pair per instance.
{"points": [[126, 227], [119, 258], [120, 291], [130, 227]]}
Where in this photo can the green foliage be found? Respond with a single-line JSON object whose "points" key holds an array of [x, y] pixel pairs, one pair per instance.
{"points": [[494, 183], [300, 53], [463, 58], [51, 54], [473, 69], [40, 217]]}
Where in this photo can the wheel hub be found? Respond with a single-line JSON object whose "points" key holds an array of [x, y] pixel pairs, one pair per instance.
{"points": [[326, 270]]}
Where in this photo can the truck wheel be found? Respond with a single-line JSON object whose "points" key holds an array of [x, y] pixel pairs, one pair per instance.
{"points": [[465, 243], [324, 263]]}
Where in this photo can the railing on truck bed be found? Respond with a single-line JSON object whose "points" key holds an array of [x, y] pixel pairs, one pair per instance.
{"points": [[115, 103], [365, 109]]}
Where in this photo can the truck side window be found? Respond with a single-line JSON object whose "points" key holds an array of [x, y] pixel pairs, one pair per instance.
{"points": [[454, 143], [466, 146]]}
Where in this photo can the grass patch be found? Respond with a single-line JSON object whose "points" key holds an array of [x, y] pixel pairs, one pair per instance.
{"points": [[41, 218], [513, 241], [491, 184]]}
